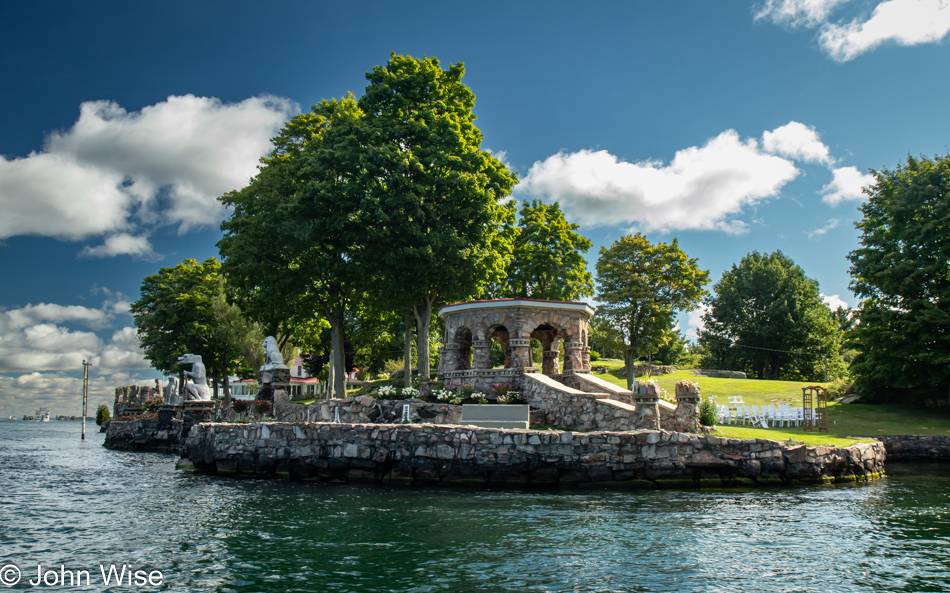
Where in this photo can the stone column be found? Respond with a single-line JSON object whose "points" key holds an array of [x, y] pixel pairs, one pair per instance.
{"points": [[585, 359], [449, 359], [573, 357], [647, 400], [482, 357], [520, 352], [195, 412], [687, 407], [549, 365]]}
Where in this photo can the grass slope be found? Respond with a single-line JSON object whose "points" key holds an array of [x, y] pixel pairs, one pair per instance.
{"points": [[848, 422]]}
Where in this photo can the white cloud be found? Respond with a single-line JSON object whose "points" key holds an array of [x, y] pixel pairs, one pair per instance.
{"points": [[115, 170], [62, 393], [907, 22], [846, 184], [834, 301], [33, 338], [821, 232], [797, 141], [695, 322], [122, 244], [702, 187], [797, 13]]}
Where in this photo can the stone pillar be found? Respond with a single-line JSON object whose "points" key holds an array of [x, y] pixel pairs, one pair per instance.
{"points": [[449, 359], [281, 382], [647, 400], [520, 353], [585, 359], [687, 407], [166, 413], [482, 357], [195, 412], [550, 364], [573, 357]]}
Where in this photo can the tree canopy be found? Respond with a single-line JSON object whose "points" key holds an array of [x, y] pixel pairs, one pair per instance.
{"points": [[768, 319], [901, 273], [182, 310], [433, 207], [641, 286], [547, 260]]}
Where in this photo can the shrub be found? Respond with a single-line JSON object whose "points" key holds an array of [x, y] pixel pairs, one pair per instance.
{"points": [[708, 414], [501, 389], [839, 388], [240, 405], [151, 403], [479, 398], [512, 397], [262, 406], [466, 390], [594, 356], [102, 414]]}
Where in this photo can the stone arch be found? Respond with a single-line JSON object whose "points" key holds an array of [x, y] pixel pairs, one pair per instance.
{"points": [[500, 334], [550, 337]]}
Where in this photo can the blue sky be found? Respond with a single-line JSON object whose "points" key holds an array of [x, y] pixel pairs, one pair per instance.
{"points": [[732, 126]]}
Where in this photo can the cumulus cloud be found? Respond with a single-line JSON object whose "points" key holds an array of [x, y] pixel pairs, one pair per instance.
{"points": [[115, 170], [695, 322], [702, 188], [797, 13], [834, 301], [821, 232], [846, 185], [36, 338], [905, 22], [62, 393], [797, 141], [122, 244]]}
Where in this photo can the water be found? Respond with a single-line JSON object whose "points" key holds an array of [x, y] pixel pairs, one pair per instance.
{"points": [[72, 503]]}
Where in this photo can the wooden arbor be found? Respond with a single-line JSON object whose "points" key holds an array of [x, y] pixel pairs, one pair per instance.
{"points": [[815, 408]]}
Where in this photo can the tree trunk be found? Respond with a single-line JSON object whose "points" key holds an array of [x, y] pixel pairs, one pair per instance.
{"points": [[329, 390], [407, 364], [628, 361], [227, 390], [338, 356], [423, 320], [214, 386]]}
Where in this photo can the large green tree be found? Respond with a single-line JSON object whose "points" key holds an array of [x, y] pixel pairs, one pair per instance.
{"points": [[292, 245], [901, 273], [547, 260], [182, 310], [767, 318], [433, 209], [641, 286]]}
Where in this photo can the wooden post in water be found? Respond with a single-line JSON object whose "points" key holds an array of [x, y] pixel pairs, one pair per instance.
{"points": [[85, 394]]}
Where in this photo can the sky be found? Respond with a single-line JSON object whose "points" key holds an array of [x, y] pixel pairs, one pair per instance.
{"points": [[731, 126]]}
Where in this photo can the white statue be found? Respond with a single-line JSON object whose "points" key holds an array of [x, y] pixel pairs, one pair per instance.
{"points": [[171, 391], [197, 389], [273, 359]]}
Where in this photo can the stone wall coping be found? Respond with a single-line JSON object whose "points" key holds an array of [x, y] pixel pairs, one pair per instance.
{"points": [[602, 385], [617, 404], [558, 386], [511, 303], [665, 404]]}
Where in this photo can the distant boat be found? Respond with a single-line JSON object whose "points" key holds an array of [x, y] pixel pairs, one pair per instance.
{"points": [[42, 415], [12, 418]]}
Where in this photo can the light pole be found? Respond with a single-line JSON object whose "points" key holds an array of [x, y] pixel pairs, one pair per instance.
{"points": [[85, 394]]}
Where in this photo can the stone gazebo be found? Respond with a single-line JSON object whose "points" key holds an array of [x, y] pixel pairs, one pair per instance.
{"points": [[470, 329]]}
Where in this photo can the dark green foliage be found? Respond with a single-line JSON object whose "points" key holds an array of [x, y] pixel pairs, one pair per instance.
{"points": [[102, 414], [708, 415], [901, 272], [641, 287], [547, 260], [768, 319]]}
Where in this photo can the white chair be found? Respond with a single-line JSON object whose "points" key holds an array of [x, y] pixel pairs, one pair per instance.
{"points": [[746, 414], [784, 414], [768, 414]]}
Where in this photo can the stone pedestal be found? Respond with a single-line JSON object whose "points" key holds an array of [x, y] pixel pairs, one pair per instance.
{"points": [[550, 363], [166, 413], [520, 352], [687, 407], [647, 400], [195, 412], [573, 357], [281, 381]]}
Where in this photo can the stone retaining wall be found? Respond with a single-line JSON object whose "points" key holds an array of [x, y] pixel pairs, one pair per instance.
{"points": [[902, 447], [573, 409], [454, 453], [143, 434]]}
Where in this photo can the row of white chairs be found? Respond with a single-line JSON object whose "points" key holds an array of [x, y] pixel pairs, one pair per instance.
{"points": [[764, 416]]}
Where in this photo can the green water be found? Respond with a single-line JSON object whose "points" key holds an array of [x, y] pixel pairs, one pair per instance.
{"points": [[66, 502]]}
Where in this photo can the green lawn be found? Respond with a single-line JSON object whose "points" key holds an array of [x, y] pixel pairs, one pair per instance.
{"points": [[846, 421]]}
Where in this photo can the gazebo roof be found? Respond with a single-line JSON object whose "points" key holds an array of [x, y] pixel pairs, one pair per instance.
{"points": [[508, 303]]}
